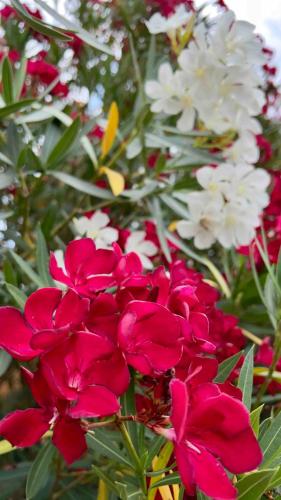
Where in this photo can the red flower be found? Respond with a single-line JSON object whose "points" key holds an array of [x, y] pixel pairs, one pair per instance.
{"points": [[150, 336], [25, 427], [211, 431], [87, 270], [47, 73], [48, 317]]}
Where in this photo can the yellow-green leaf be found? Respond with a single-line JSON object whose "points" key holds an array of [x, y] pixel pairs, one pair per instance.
{"points": [[115, 179], [111, 129], [160, 463], [6, 447]]}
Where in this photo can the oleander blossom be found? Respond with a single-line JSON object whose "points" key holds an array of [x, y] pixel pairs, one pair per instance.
{"points": [[229, 207], [112, 322], [217, 81], [211, 431]]}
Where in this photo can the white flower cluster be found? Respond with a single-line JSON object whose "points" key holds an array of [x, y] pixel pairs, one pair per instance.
{"points": [[218, 82], [97, 227], [160, 24], [228, 207]]}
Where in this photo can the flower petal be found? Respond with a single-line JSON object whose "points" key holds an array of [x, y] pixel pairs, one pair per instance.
{"points": [[69, 438], [95, 401], [24, 427]]}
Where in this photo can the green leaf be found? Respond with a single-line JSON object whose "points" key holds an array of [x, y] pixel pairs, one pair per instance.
{"points": [[27, 269], [64, 144], [255, 419], [101, 444], [7, 81], [201, 496], [83, 186], [154, 448], [20, 78], [40, 470], [18, 295], [42, 258], [175, 206], [253, 485], [271, 442], [101, 475], [275, 480], [160, 229], [278, 268], [37, 25], [14, 107], [5, 361], [245, 381], [173, 478], [226, 367], [129, 408]]}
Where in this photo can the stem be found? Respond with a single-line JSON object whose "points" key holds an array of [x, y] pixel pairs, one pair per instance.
{"points": [[133, 454], [125, 418], [272, 368], [252, 337]]}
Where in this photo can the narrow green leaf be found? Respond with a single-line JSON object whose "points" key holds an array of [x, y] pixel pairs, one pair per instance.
{"points": [[275, 481], [26, 269], [151, 57], [5, 361], [83, 186], [37, 25], [160, 228], [104, 446], [255, 419], [201, 495], [101, 475], [14, 107], [64, 143], [253, 485], [245, 381], [271, 442], [18, 295], [129, 408], [175, 206], [42, 258], [40, 470], [226, 367], [154, 449], [278, 268], [20, 78], [7, 81], [173, 478]]}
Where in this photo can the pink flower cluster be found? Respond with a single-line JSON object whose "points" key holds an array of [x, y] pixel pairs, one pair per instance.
{"points": [[112, 316]]}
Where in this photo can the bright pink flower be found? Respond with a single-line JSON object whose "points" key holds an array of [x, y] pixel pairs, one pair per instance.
{"points": [[87, 270], [264, 357], [93, 372], [25, 427], [48, 317], [150, 336], [211, 430]]}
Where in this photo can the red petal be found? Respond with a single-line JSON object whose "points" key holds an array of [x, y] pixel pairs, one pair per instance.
{"points": [[71, 310], [95, 401], [24, 427], [180, 402], [210, 476], [40, 306], [69, 438], [15, 334], [57, 272], [105, 372]]}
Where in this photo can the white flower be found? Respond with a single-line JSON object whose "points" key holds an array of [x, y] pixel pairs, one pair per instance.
{"points": [[246, 186], [244, 149], [163, 91], [204, 220], [137, 243], [235, 42], [59, 255], [160, 24], [237, 226], [96, 227]]}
